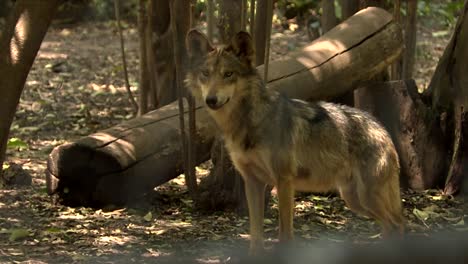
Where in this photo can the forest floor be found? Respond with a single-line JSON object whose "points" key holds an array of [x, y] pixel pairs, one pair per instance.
{"points": [[76, 88]]}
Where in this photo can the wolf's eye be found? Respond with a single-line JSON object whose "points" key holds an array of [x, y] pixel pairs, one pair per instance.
{"points": [[205, 73], [228, 74]]}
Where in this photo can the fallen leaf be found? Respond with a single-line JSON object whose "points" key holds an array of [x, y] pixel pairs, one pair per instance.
{"points": [[17, 234], [148, 217]]}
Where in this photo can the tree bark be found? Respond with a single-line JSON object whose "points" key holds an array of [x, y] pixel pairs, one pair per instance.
{"points": [[260, 31], [120, 163], [329, 19], [19, 44], [349, 8], [450, 100], [144, 71], [414, 130], [210, 18], [397, 66], [163, 83], [230, 12], [180, 25], [410, 39]]}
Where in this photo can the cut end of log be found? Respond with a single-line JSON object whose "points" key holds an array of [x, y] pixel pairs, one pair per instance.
{"points": [[73, 171]]}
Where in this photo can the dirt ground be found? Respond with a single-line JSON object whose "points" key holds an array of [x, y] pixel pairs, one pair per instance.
{"points": [[76, 88]]}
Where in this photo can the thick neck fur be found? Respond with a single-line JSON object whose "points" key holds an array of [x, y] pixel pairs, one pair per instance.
{"points": [[246, 110]]}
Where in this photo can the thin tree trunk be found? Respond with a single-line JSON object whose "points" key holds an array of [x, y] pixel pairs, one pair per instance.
{"points": [[396, 67], [144, 83], [244, 15], [260, 32], [328, 18], [163, 88], [229, 22], [124, 59], [349, 7], [268, 24], [410, 39], [210, 19], [252, 18], [180, 25], [19, 44]]}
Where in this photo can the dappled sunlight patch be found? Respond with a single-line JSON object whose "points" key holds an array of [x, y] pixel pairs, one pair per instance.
{"points": [[51, 55], [113, 240]]}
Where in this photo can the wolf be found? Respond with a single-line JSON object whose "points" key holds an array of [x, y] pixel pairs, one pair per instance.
{"points": [[292, 144]]}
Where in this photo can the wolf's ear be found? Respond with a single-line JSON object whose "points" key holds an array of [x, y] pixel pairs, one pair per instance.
{"points": [[242, 46], [197, 44]]}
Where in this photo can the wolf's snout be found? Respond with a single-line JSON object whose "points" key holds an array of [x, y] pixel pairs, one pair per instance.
{"points": [[211, 101]]}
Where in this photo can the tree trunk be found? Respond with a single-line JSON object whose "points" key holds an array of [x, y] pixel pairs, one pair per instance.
{"points": [[19, 43], [180, 25], [349, 8], [410, 39], [260, 31], [224, 182], [415, 132], [329, 19], [449, 94], [115, 165], [229, 22], [144, 71], [210, 19], [161, 54], [397, 66]]}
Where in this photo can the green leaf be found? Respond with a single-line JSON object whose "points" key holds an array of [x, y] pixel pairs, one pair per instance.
{"points": [[441, 33], [16, 143], [18, 234], [53, 230], [422, 215], [148, 217]]}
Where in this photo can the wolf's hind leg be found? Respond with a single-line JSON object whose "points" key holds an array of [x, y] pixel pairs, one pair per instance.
{"points": [[350, 195], [384, 202]]}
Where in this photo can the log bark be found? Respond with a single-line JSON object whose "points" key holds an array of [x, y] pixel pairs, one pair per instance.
{"points": [[118, 164]]}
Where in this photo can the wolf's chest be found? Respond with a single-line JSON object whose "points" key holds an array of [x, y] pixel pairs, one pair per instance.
{"points": [[253, 163]]}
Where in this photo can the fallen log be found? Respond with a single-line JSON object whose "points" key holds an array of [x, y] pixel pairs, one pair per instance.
{"points": [[121, 163]]}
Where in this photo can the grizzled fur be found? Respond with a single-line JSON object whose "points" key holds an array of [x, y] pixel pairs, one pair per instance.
{"points": [[293, 144]]}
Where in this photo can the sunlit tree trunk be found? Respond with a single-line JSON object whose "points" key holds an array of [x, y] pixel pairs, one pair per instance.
{"points": [[19, 44]]}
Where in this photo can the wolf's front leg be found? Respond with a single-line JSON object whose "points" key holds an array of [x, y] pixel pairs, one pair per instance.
{"points": [[286, 209], [255, 193]]}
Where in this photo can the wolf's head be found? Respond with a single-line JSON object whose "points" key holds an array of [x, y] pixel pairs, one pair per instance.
{"points": [[218, 75]]}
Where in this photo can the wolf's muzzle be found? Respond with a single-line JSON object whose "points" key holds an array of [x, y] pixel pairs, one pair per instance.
{"points": [[213, 103]]}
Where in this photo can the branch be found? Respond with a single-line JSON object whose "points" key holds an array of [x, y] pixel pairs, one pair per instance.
{"points": [[124, 61]]}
